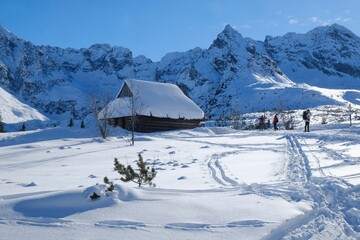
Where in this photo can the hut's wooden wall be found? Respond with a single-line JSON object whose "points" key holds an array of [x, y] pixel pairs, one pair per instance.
{"points": [[154, 124]]}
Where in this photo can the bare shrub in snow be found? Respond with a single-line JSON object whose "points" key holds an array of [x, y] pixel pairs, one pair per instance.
{"points": [[97, 105]]}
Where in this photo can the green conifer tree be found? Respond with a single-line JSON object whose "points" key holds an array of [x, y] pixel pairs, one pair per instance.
{"points": [[71, 123], [82, 124], [144, 176], [23, 127]]}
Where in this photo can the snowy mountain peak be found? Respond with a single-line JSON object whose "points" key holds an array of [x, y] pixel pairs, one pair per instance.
{"points": [[229, 30], [228, 36]]}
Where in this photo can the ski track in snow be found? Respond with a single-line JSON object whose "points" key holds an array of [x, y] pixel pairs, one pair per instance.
{"points": [[319, 168], [328, 209], [302, 187], [217, 170]]}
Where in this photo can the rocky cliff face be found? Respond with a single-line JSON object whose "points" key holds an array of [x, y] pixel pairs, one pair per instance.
{"points": [[233, 74]]}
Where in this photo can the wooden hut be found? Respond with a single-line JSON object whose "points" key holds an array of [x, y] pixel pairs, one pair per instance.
{"points": [[152, 106]]}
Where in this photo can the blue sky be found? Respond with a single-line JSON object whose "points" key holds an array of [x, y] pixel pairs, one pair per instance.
{"points": [[156, 27]]}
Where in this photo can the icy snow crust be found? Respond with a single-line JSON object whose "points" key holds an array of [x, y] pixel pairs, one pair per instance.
{"points": [[212, 183]]}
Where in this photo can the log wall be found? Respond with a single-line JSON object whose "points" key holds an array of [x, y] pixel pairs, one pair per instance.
{"points": [[154, 124]]}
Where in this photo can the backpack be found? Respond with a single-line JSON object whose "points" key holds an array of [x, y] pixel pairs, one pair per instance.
{"points": [[304, 115]]}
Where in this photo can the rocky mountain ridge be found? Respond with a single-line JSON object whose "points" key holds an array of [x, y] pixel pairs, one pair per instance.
{"points": [[325, 56], [233, 74]]}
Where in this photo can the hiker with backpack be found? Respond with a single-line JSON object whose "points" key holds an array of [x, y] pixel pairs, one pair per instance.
{"points": [[306, 118]]}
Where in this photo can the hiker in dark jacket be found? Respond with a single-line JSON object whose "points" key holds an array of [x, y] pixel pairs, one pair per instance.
{"points": [[306, 117]]}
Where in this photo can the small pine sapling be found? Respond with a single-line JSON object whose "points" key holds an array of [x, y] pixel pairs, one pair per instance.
{"points": [[110, 183], [144, 176], [82, 124]]}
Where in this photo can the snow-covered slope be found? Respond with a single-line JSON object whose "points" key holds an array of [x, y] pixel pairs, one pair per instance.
{"points": [[14, 111], [233, 74]]}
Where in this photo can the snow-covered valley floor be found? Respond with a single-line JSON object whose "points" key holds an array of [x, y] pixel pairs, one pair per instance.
{"points": [[212, 183]]}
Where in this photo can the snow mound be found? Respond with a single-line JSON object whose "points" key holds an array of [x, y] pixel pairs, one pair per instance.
{"points": [[60, 205], [120, 192], [126, 193]]}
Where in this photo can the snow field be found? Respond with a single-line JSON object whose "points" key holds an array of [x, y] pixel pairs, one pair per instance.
{"points": [[212, 183]]}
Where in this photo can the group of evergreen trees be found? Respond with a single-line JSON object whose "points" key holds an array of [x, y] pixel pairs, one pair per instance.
{"points": [[71, 123], [23, 127]]}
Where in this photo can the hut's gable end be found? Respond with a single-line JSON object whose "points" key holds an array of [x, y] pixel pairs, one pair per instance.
{"points": [[125, 92]]}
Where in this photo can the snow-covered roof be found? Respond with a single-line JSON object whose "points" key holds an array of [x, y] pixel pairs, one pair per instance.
{"points": [[154, 99]]}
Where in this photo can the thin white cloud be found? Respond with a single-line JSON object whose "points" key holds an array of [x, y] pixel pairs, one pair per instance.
{"points": [[314, 19], [293, 21], [245, 26], [324, 22], [340, 19]]}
